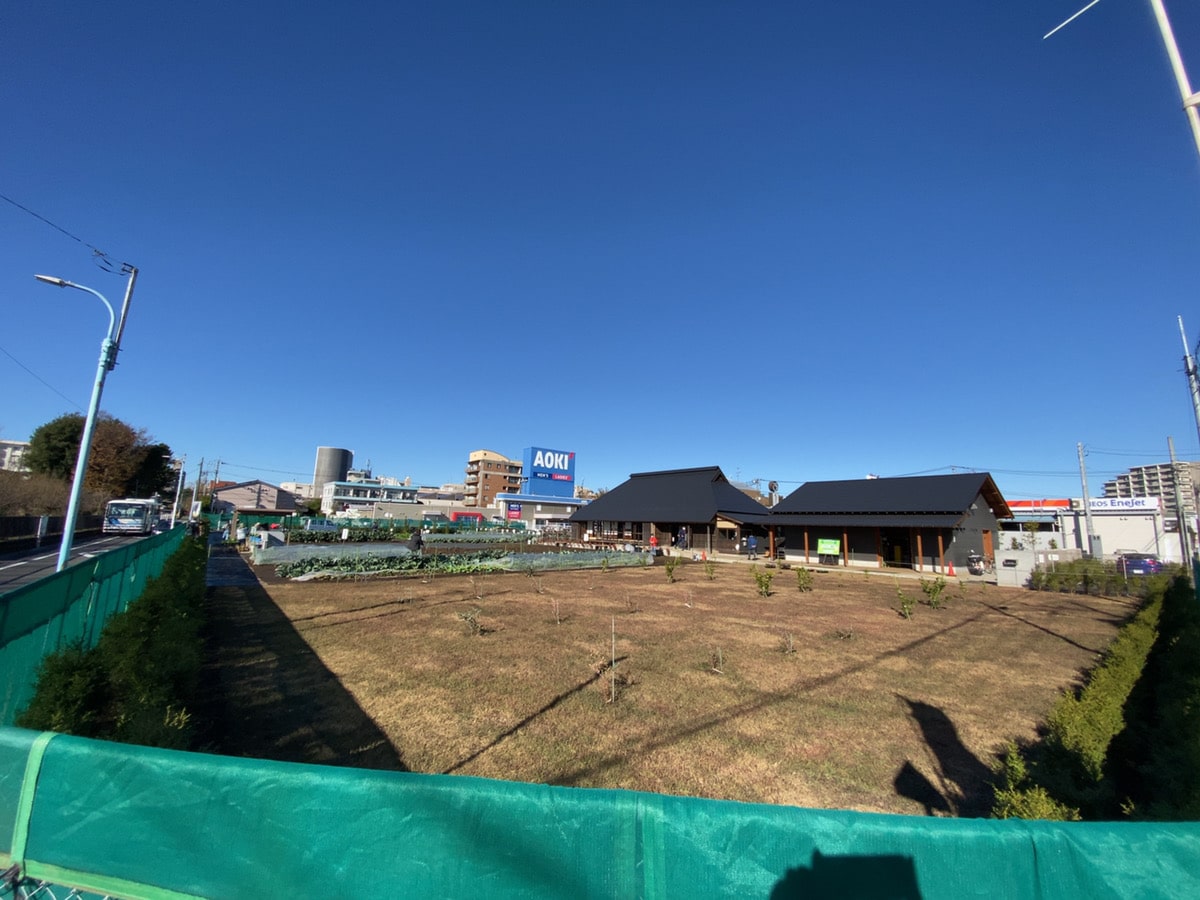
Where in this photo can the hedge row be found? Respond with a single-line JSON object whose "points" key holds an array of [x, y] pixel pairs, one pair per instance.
{"points": [[1128, 743], [1092, 576], [137, 683], [1160, 774]]}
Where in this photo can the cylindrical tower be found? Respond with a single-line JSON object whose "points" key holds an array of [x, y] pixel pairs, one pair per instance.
{"points": [[332, 465]]}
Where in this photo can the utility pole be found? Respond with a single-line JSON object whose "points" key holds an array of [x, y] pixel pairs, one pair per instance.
{"points": [[178, 490], [1184, 542], [1092, 541], [196, 493], [1189, 366]]}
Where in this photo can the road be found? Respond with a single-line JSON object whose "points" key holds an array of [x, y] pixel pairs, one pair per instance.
{"points": [[19, 569]]}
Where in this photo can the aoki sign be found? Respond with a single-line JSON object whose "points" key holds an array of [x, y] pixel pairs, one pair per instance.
{"points": [[549, 472]]}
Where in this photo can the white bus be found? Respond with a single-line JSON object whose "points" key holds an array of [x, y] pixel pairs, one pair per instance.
{"points": [[131, 516]]}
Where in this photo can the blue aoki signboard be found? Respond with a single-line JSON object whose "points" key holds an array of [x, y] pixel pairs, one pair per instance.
{"points": [[549, 473]]}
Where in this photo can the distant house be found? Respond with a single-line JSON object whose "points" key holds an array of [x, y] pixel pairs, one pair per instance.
{"points": [[252, 495], [921, 522], [699, 504]]}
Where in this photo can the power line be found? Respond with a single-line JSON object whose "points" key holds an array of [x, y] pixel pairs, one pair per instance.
{"points": [[102, 259], [41, 379]]}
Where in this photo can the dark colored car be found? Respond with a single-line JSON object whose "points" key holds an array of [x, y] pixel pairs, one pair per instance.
{"points": [[1138, 564]]}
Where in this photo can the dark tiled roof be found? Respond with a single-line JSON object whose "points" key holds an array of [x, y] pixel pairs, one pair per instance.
{"points": [[866, 520], [918, 495], [675, 495]]}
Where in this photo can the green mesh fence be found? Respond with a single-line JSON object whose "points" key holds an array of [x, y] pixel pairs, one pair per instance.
{"points": [[70, 605], [137, 822]]}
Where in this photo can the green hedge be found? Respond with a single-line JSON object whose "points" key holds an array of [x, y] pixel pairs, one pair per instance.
{"points": [[137, 683], [1127, 745], [1160, 771]]}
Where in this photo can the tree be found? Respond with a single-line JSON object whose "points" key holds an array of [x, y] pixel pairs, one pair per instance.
{"points": [[155, 475], [24, 494], [54, 446], [122, 462]]}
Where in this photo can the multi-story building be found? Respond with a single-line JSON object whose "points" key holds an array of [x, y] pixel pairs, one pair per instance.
{"points": [[367, 497], [12, 454], [490, 474], [298, 489], [1160, 481]]}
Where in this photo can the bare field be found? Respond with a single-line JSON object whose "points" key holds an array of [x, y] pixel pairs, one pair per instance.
{"points": [[824, 699]]}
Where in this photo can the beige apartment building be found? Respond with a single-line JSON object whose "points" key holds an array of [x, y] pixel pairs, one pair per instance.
{"points": [[488, 474]]}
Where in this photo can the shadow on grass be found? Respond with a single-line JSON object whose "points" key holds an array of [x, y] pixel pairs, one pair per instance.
{"points": [[963, 778], [667, 737], [265, 694], [1062, 637], [509, 732]]}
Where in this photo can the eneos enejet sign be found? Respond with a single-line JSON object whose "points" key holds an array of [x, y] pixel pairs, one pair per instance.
{"points": [[549, 472]]}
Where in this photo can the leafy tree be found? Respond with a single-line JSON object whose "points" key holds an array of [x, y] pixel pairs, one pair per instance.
{"points": [[122, 461], [54, 446], [155, 475]]}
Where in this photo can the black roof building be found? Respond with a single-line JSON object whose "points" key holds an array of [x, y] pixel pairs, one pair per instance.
{"points": [[699, 502], [920, 521]]}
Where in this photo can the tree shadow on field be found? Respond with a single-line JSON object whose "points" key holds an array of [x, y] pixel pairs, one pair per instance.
{"points": [[962, 778], [265, 694]]}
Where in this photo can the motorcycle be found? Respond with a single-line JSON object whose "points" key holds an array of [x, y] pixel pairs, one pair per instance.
{"points": [[975, 563]]}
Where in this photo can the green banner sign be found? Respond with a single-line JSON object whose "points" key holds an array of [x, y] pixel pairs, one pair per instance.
{"points": [[828, 547]]}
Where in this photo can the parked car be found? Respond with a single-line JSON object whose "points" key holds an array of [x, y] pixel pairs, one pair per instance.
{"points": [[1138, 564]]}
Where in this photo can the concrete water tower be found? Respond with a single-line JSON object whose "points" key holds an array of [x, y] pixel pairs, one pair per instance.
{"points": [[332, 465]]}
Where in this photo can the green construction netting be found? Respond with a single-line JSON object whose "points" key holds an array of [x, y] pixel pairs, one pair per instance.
{"points": [[140, 822], [73, 604]]}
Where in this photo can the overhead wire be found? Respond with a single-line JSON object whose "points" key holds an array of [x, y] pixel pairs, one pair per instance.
{"points": [[41, 379], [102, 259]]}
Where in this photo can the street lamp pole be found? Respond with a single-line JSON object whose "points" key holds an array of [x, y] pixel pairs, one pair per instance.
{"points": [[108, 360]]}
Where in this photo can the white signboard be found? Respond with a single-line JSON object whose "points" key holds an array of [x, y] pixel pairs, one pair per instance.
{"points": [[1124, 504]]}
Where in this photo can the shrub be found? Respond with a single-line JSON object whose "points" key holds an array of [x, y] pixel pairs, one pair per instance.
{"points": [[1016, 798], [804, 580], [72, 694], [136, 685], [934, 591], [762, 580], [671, 563]]}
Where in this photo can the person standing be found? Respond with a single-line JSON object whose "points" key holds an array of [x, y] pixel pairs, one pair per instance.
{"points": [[752, 547], [654, 545]]}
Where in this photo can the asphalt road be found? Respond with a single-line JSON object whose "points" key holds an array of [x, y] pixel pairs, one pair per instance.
{"points": [[19, 569]]}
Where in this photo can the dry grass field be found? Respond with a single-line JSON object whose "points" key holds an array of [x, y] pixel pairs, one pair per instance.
{"points": [[823, 699]]}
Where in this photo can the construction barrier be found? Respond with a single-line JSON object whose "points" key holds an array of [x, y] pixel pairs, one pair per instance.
{"points": [[71, 605], [138, 822]]}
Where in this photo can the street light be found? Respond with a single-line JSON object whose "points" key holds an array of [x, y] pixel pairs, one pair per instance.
{"points": [[108, 359]]}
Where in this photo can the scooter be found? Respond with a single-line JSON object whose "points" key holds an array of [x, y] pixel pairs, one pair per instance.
{"points": [[975, 563]]}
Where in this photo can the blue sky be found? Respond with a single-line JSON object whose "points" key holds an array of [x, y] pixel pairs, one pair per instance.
{"points": [[799, 241]]}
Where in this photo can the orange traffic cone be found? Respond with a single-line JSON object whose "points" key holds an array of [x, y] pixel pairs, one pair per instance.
{"points": [[703, 555], [950, 568]]}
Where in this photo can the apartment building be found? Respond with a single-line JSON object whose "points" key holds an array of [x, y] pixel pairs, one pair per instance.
{"points": [[489, 474], [11, 455], [1159, 481]]}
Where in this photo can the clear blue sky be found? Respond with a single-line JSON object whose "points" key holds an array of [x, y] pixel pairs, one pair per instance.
{"points": [[799, 241]]}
